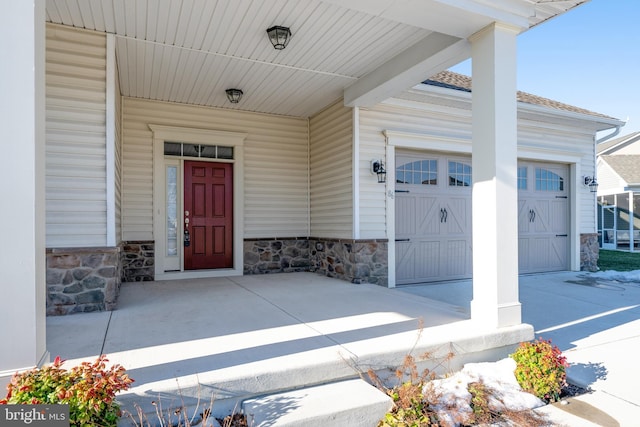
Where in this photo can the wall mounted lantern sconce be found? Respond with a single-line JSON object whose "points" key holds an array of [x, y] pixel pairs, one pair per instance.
{"points": [[590, 181], [279, 36], [378, 168], [234, 95]]}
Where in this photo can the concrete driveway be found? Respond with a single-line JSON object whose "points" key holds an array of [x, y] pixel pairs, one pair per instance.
{"points": [[594, 321]]}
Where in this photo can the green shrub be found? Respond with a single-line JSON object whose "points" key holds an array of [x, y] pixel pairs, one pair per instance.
{"points": [[88, 389], [541, 369]]}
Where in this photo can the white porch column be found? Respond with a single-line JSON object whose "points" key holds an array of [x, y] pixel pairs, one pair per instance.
{"points": [[495, 196], [22, 252]]}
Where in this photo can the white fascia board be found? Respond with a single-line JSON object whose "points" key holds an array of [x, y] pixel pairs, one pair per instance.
{"points": [[434, 53], [607, 123]]}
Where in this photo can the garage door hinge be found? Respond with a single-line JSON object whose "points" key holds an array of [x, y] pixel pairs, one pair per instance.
{"points": [[561, 197], [561, 235], [402, 191], [403, 240]]}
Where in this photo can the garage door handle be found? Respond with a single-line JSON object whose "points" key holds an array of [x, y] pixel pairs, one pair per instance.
{"points": [[403, 240], [443, 215], [532, 215]]}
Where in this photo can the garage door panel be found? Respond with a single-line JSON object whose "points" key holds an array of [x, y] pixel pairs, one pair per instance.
{"points": [[429, 267], [539, 252], [428, 216], [523, 255], [406, 216], [418, 261], [524, 216], [559, 215], [458, 259], [456, 216], [541, 220], [543, 235], [404, 262], [559, 246]]}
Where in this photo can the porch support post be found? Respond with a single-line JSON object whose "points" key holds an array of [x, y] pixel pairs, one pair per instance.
{"points": [[22, 253], [495, 195]]}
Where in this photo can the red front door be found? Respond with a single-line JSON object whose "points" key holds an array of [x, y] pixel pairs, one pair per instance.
{"points": [[208, 205]]}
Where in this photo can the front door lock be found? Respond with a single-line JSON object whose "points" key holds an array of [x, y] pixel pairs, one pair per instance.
{"points": [[187, 235]]}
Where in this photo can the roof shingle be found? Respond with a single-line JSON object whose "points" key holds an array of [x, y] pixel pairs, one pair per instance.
{"points": [[625, 165], [451, 80]]}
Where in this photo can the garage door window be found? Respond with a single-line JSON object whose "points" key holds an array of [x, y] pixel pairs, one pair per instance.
{"points": [[422, 172], [522, 178], [548, 181], [459, 174]]}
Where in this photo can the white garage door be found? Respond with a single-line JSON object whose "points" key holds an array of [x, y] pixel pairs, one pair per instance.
{"points": [[433, 217], [543, 217]]}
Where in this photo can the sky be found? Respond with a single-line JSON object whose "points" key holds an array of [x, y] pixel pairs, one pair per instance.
{"points": [[588, 57]]}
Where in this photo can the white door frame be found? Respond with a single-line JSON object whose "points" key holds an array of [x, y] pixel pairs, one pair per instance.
{"points": [[163, 133]]}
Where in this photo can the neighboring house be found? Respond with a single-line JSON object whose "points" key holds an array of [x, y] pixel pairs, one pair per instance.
{"points": [[120, 136], [618, 167]]}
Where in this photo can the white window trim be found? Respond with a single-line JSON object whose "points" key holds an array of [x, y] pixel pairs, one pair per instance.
{"points": [[163, 133]]}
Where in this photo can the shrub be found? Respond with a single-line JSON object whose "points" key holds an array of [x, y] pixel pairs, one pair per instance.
{"points": [[89, 389], [541, 369], [411, 407]]}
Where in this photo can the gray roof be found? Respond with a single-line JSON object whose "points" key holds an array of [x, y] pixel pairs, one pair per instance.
{"points": [[625, 165], [451, 80], [612, 143]]}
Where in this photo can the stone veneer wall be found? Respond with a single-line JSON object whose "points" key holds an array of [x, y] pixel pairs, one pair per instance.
{"points": [[82, 280], [589, 252], [357, 261], [138, 259], [276, 255]]}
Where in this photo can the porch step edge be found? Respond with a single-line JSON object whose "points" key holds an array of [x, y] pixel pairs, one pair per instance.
{"points": [[353, 403]]}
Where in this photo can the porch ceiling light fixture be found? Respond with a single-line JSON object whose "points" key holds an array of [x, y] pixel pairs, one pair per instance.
{"points": [[378, 168], [279, 36], [590, 181], [234, 95]]}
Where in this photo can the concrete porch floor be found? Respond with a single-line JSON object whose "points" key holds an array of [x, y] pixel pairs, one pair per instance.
{"points": [[238, 337]]}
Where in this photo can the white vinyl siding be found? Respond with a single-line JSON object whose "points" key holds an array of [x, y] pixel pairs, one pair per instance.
{"points": [[330, 149], [75, 138], [275, 165]]}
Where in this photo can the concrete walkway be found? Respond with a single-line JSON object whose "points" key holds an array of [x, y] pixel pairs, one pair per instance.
{"points": [[248, 336], [242, 337], [596, 323]]}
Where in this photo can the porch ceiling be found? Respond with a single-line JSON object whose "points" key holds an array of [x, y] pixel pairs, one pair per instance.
{"points": [[190, 51]]}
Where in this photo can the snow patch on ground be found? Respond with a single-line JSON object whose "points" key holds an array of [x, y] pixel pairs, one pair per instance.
{"points": [[621, 276], [452, 392]]}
